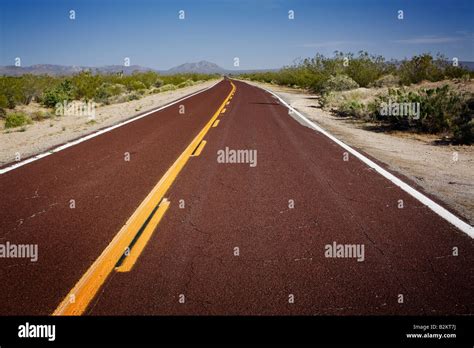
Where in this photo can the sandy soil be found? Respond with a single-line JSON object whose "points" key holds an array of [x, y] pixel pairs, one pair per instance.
{"points": [[43, 135], [433, 167]]}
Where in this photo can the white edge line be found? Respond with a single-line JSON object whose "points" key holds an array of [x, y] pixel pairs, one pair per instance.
{"points": [[95, 134], [445, 214]]}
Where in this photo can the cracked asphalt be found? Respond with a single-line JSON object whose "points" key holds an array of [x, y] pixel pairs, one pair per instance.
{"points": [[251, 240]]}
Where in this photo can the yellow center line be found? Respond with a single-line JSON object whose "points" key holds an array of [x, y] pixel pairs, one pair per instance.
{"points": [[77, 300], [142, 241], [199, 148], [215, 124], [223, 111]]}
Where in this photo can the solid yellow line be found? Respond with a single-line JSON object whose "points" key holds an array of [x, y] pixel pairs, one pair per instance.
{"points": [[77, 300], [199, 149], [142, 241], [215, 124]]}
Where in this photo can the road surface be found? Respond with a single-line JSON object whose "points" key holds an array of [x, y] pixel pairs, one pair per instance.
{"points": [[236, 238]]}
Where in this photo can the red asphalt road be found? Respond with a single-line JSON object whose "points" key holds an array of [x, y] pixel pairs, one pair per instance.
{"points": [[35, 200], [407, 251]]}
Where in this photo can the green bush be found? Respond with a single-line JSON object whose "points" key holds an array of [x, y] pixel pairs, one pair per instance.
{"points": [[102, 94], [58, 94], [463, 124], [441, 110], [3, 101], [389, 80], [420, 68], [353, 108], [339, 83], [456, 72], [168, 87], [186, 83], [133, 96], [365, 69], [41, 115], [136, 85], [115, 89], [11, 102], [16, 119], [3, 113], [85, 85]]}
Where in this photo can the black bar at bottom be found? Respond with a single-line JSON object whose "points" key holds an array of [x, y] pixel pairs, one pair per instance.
{"points": [[422, 330]]}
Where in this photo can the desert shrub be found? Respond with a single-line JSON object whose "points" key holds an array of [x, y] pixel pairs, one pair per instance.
{"points": [[3, 101], [441, 110], [389, 80], [353, 108], [455, 72], [326, 100], [11, 103], [312, 73], [133, 96], [23, 89], [108, 90], [465, 78], [136, 85], [339, 83], [3, 113], [399, 97], [463, 124], [148, 78], [16, 119], [186, 83], [168, 87], [58, 94], [365, 69], [420, 68], [49, 90], [439, 107], [115, 89], [102, 94], [85, 85], [31, 87], [40, 115]]}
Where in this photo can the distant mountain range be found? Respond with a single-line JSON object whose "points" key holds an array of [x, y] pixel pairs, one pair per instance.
{"points": [[203, 67], [55, 70], [468, 65]]}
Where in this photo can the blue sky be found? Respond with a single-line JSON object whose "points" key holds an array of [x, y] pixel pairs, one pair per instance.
{"points": [[259, 32]]}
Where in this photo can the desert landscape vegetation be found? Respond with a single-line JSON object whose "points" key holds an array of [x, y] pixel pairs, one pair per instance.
{"points": [[356, 85]]}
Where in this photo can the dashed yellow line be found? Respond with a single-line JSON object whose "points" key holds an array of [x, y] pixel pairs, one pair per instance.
{"points": [[78, 299], [215, 123], [223, 111]]}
